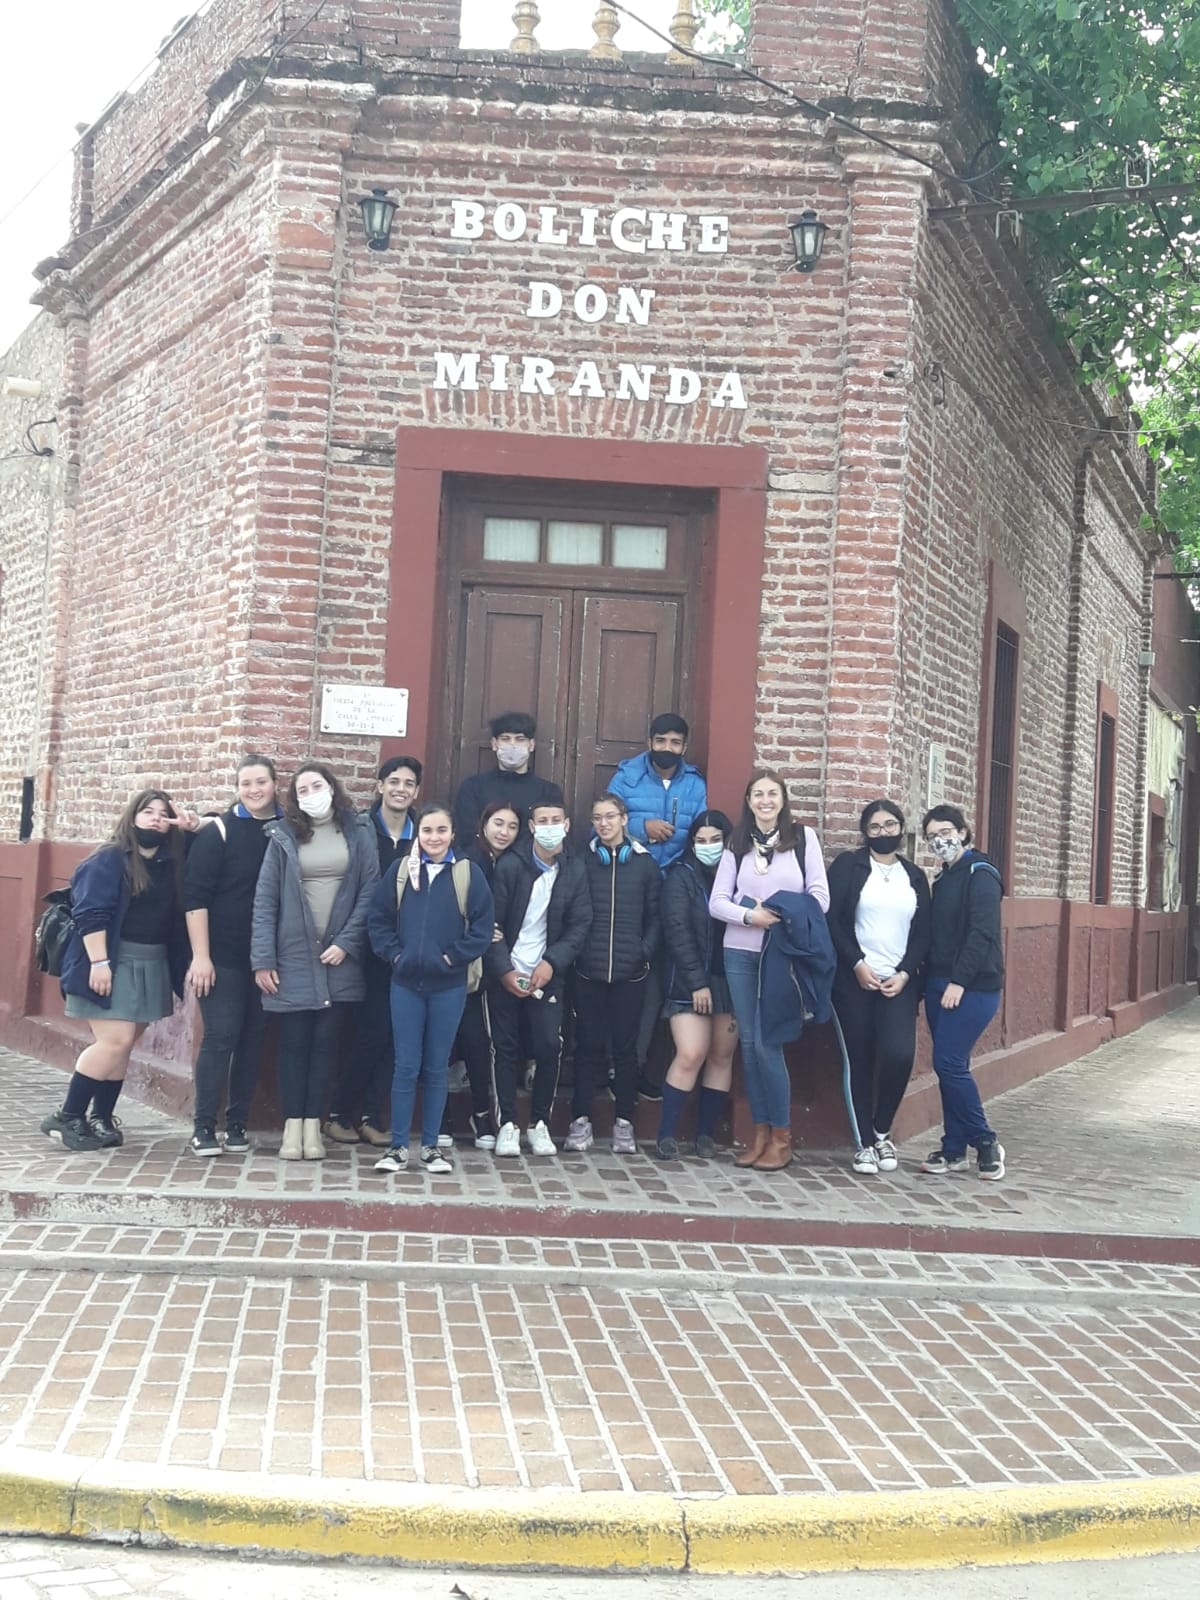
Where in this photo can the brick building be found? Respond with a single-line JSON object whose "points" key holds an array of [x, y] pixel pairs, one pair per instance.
{"points": [[582, 439]]}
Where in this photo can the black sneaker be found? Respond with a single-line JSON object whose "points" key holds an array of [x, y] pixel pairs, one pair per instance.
{"points": [[646, 1090], [73, 1133], [667, 1149], [484, 1130], [991, 1160], [706, 1147], [108, 1131], [204, 1141], [938, 1161], [237, 1141]]}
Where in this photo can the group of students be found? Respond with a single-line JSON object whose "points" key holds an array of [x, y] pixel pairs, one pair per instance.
{"points": [[481, 934]]}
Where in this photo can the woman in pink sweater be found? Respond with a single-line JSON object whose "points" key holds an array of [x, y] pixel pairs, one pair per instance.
{"points": [[767, 853]]}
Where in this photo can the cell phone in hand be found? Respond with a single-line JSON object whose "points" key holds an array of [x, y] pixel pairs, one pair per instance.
{"points": [[748, 903]]}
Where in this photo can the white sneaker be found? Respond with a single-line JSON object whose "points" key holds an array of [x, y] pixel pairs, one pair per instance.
{"points": [[540, 1141], [885, 1154], [394, 1161], [579, 1135], [865, 1160], [445, 1141], [435, 1160], [508, 1140]]}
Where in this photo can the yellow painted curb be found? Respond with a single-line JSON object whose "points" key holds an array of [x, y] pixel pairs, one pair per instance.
{"points": [[596, 1532]]}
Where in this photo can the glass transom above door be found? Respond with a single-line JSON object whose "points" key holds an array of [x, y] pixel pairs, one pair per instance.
{"points": [[557, 542]]}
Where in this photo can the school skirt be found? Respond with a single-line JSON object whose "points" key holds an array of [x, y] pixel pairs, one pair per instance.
{"points": [[722, 1000], [141, 990]]}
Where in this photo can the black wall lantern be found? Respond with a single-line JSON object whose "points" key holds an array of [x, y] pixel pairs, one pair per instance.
{"points": [[377, 214], [808, 240]]}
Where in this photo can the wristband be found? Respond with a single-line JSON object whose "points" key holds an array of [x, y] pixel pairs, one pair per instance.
{"points": [[103, 962]]}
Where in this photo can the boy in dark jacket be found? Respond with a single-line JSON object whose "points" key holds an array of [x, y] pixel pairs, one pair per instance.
{"points": [[512, 780], [543, 913], [366, 1076]]}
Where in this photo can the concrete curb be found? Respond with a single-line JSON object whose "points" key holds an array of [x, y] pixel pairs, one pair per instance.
{"points": [[761, 1534]]}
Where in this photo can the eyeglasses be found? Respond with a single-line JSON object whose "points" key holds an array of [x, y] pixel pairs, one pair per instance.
{"points": [[941, 833], [875, 830], [606, 816]]}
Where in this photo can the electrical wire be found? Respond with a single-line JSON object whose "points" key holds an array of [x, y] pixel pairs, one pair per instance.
{"points": [[204, 6], [818, 113]]}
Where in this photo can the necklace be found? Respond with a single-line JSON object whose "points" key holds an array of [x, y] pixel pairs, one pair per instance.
{"points": [[885, 872]]}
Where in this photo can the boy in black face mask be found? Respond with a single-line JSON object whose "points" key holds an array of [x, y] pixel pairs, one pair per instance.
{"points": [[663, 792]]}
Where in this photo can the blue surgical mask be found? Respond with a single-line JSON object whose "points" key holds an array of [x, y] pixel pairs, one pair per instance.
{"points": [[708, 854]]}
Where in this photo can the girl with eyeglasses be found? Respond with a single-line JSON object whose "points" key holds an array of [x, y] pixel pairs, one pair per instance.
{"points": [[879, 924]]}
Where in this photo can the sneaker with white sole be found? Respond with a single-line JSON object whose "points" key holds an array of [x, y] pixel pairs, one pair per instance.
{"points": [[540, 1141], [865, 1159], [991, 1160], [623, 1143], [484, 1130], [237, 1140], [579, 1135], [445, 1141], [395, 1161], [204, 1141], [435, 1160], [938, 1161], [885, 1154], [508, 1140]]}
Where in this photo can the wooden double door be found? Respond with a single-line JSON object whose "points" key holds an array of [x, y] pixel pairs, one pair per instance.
{"points": [[576, 606]]}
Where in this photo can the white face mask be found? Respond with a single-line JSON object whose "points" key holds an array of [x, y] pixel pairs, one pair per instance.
{"points": [[317, 805], [708, 854], [550, 835], [512, 755], [947, 849]]}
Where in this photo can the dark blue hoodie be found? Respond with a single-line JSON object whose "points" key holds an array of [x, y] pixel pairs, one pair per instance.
{"points": [[424, 940]]}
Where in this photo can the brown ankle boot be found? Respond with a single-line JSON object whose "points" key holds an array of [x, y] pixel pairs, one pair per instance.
{"points": [[778, 1153], [749, 1156]]}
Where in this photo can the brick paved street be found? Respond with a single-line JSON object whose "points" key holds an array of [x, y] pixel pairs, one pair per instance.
{"points": [[133, 1328]]}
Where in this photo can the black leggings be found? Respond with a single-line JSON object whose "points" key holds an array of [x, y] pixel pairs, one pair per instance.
{"points": [[881, 1041], [307, 1049]]}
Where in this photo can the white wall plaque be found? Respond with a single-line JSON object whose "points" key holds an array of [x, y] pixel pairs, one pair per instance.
{"points": [[364, 708]]}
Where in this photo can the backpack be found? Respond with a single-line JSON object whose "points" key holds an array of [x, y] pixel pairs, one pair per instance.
{"points": [[53, 932], [462, 888]]}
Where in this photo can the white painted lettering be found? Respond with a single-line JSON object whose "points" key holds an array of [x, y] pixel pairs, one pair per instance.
{"points": [[714, 236], [500, 383], [587, 382], [666, 230], [634, 382], [468, 220], [510, 221], [633, 305], [589, 216], [536, 375], [456, 372], [684, 387], [591, 303], [623, 240], [547, 232], [545, 300], [731, 393]]}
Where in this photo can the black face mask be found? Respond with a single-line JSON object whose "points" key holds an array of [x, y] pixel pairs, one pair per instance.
{"points": [[883, 843], [149, 838], [666, 760]]}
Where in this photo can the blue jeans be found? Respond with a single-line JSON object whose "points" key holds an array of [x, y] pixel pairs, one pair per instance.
{"points": [[768, 1087], [954, 1034], [423, 1029]]}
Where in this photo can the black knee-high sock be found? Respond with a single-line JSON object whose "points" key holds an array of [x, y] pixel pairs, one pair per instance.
{"points": [[712, 1109], [79, 1095], [106, 1096]]}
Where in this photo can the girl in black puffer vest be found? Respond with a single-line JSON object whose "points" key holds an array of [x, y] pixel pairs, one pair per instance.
{"points": [[624, 884], [698, 1002]]}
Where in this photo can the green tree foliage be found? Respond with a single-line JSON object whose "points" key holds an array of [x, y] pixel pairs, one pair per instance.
{"points": [[1095, 94]]}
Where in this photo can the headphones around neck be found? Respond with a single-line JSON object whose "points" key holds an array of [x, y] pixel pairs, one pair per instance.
{"points": [[623, 854]]}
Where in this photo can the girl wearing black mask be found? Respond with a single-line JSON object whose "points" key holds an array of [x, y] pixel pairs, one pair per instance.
{"points": [[127, 953], [879, 923], [698, 1002]]}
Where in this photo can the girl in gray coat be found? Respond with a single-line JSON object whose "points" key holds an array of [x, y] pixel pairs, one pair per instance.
{"points": [[308, 941]]}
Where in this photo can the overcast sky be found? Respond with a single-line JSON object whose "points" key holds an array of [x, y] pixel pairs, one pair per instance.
{"points": [[66, 64]]}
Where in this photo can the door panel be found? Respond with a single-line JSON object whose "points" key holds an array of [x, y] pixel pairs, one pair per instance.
{"points": [[513, 648], [628, 670]]}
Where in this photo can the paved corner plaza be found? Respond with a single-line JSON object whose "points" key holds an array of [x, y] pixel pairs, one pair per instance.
{"points": [[591, 1364]]}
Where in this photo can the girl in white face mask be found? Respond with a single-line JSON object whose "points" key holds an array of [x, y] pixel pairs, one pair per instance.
{"points": [[698, 1002], [962, 993], [308, 938]]}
